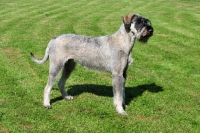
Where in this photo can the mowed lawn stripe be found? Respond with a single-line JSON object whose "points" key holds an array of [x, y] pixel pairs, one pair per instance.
{"points": [[162, 88]]}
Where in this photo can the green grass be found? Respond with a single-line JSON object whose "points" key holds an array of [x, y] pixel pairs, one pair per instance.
{"points": [[162, 88]]}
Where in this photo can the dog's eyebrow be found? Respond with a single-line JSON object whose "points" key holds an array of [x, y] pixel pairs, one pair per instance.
{"points": [[147, 21]]}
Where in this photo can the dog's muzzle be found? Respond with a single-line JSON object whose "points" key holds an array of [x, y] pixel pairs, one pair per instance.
{"points": [[147, 31]]}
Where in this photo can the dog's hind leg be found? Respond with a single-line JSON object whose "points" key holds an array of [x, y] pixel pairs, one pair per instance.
{"points": [[119, 94], [68, 68], [55, 67]]}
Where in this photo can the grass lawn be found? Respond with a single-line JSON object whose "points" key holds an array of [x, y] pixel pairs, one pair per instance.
{"points": [[163, 83]]}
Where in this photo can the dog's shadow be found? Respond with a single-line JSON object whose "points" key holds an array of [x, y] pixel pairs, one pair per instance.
{"points": [[102, 90]]}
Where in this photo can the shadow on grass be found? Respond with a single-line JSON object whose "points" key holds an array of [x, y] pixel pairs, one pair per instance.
{"points": [[102, 90]]}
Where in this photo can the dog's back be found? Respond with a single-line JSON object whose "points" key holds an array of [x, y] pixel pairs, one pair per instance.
{"points": [[91, 52]]}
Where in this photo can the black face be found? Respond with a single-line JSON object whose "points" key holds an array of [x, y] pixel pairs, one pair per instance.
{"points": [[147, 33], [144, 24]]}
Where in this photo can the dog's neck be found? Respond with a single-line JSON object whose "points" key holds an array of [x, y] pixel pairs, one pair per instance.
{"points": [[127, 37]]}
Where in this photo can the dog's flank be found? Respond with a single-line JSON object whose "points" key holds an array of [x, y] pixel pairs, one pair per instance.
{"points": [[105, 53]]}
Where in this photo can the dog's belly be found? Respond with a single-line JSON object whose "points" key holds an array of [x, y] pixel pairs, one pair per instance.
{"points": [[97, 66]]}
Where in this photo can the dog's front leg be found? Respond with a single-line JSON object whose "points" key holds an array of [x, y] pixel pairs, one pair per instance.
{"points": [[118, 81], [130, 60]]}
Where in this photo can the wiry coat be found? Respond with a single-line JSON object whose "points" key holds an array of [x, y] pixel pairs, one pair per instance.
{"points": [[110, 53], [97, 53]]}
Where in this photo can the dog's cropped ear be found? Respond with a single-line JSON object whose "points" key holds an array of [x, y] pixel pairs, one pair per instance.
{"points": [[127, 18], [127, 21]]}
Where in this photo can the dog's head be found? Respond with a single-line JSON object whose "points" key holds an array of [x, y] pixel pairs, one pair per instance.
{"points": [[139, 26]]}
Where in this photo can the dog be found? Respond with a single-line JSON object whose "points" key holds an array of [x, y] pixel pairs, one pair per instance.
{"points": [[111, 53]]}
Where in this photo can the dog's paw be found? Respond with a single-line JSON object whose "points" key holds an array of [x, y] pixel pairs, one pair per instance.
{"points": [[122, 113], [69, 97], [47, 106], [120, 110]]}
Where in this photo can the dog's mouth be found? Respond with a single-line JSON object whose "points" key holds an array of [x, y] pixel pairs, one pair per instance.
{"points": [[144, 39], [144, 34]]}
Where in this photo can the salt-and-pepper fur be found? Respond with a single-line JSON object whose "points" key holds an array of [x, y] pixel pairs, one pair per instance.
{"points": [[110, 53]]}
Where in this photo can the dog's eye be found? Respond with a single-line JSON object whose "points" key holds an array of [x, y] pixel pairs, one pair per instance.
{"points": [[139, 21]]}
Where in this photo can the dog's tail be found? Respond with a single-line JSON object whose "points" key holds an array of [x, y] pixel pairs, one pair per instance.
{"points": [[46, 56]]}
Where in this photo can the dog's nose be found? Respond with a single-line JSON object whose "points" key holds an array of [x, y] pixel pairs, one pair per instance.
{"points": [[150, 30]]}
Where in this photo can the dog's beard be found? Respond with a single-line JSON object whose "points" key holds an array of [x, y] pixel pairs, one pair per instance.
{"points": [[138, 35], [143, 35]]}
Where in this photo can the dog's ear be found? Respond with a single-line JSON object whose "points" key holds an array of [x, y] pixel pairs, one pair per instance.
{"points": [[127, 21]]}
